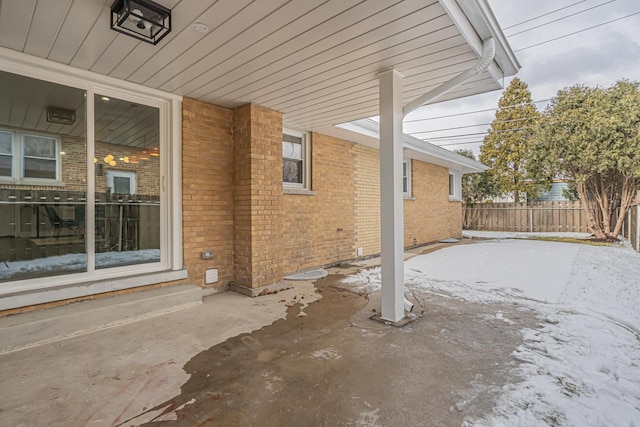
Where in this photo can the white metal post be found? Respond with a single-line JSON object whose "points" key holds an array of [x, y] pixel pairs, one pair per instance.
{"points": [[391, 200]]}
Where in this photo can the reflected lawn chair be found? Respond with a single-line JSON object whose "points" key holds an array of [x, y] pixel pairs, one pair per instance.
{"points": [[58, 223]]}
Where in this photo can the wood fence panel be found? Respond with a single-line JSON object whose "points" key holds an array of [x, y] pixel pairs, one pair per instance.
{"points": [[549, 216]]}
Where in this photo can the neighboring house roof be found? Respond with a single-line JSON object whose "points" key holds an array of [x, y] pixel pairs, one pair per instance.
{"points": [[415, 148], [316, 62]]}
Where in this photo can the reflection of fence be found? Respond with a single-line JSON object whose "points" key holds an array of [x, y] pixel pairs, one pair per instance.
{"points": [[122, 222], [522, 217], [631, 228]]}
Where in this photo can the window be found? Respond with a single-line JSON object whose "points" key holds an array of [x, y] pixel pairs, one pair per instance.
{"points": [[455, 185], [452, 185], [39, 156], [295, 160], [406, 178], [121, 182], [6, 154]]}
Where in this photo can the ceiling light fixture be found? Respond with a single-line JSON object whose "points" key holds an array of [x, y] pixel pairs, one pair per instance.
{"points": [[141, 19]]}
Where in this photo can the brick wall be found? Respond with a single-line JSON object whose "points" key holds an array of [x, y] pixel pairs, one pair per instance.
{"points": [[430, 216], [311, 222], [140, 161], [367, 199], [207, 198], [257, 181]]}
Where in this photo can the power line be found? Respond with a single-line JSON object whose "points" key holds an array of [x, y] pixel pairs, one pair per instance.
{"points": [[577, 32], [543, 15], [460, 143], [560, 19], [478, 124], [472, 134], [474, 112]]}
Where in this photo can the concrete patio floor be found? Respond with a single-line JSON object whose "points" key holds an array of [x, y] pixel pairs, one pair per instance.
{"points": [[235, 361]]}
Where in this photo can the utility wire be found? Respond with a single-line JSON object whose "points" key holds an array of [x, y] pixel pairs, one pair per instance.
{"points": [[472, 134], [577, 32], [560, 19], [543, 15], [477, 125], [475, 111]]}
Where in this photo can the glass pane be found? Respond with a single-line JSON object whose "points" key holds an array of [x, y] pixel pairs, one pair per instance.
{"points": [[5, 143], [39, 168], [42, 229], [127, 183], [5, 165], [35, 146], [291, 150], [292, 171], [122, 185]]}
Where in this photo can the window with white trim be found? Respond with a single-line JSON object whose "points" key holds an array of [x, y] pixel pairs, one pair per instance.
{"points": [[121, 182], [295, 160], [406, 178], [455, 185], [29, 157]]}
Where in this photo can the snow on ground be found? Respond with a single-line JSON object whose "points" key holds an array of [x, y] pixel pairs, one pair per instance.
{"points": [[516, 235], [76, 262], [581, 366]]}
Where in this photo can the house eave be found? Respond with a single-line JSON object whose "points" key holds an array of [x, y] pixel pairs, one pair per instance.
{"points": [[415, 148]]}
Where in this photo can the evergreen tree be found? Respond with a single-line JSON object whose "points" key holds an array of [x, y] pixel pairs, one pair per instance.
{"points": [[591, 137], [506, 145], [476, 189]]}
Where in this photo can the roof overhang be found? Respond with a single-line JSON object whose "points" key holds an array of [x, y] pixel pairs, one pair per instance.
{"points": [[316, 62], [420, 150]]}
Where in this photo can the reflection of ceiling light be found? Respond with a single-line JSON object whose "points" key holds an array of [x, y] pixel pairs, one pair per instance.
{"points": [[62, 153], [112, 163], [108, 159], [61, 116], [141, 19], [105, 98], [95, 160]]}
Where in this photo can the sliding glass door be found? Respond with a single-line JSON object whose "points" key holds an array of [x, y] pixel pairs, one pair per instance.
{"points": [[43, 178], [127, 183], [77, 199]]}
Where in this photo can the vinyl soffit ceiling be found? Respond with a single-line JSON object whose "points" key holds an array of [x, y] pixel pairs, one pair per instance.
{"points": [[315, 61]]}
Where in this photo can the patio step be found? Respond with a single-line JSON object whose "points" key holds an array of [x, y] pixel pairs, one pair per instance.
{"points": [[44, 326]]}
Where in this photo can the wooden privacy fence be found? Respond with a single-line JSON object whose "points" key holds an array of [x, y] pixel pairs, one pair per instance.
{"points": [[547, 216], [631, 228]]}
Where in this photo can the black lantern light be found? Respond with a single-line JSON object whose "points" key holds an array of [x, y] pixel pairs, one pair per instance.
{"points": [[141, 19]]}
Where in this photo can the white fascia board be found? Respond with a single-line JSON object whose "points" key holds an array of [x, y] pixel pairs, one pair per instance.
{"points": [[476, 22], [44, 69], [418, 149]]}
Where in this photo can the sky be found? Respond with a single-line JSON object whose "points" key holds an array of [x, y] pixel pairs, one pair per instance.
{"points": [[595, 57]]}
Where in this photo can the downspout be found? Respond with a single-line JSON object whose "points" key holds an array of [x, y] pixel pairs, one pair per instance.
{"points": [[488, 53]]}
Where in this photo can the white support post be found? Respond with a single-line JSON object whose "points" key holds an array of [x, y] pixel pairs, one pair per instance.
{"points": [[391, 199]]}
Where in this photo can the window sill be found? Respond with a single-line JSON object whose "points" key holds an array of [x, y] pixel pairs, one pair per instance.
{"points": [[299, 192], [454, 199], [29, 183], [411, 198]]}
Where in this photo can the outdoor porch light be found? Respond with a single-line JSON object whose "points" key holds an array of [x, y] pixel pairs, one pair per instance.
{"points": [[141, 19]]}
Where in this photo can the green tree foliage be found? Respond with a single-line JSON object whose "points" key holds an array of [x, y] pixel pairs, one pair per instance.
{"points": [[476, 188], [506, 145], [591, 137]]}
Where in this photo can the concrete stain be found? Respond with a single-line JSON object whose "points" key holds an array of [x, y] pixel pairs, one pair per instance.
{"points": [[336, 367]]}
